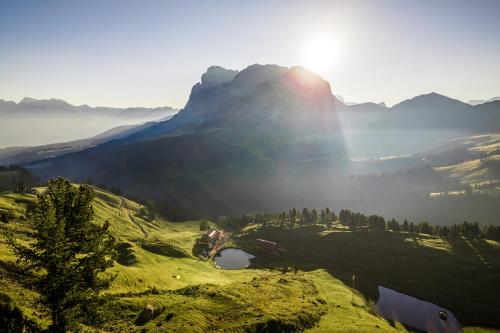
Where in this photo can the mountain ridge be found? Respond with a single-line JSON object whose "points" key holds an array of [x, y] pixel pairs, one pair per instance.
{"points": [[27, 105], [235, 92], [431, 99], [482, 101]]}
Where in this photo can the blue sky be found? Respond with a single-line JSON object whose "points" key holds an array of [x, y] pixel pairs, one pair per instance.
{"points": [[150, 53]]}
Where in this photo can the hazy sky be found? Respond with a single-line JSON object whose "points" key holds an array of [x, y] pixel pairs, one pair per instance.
{"points": [[150, 53]]}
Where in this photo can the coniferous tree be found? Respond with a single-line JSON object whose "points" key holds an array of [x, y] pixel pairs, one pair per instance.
{"points": [[393, 225], [344, 216], [328, 214], [330, 217], [381, 223], [376, 222], [305, 215], [204, 225], [405, 225], [444, 231], [67, 253], [322, 217], [464, 229], [314, 216], [425, 228], [293, 217], [492, 232], [475, 230]]}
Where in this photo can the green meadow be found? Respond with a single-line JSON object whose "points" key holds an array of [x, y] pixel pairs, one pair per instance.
{"points": [[305, 288], [458, 274]]}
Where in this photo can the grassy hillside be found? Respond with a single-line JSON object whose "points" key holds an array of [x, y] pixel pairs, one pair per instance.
{"points": [[156, 267], [481, 169], [459, 274]]}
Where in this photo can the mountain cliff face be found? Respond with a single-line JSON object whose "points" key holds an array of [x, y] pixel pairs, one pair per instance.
{"points": [[239, 143], [290, 98]]}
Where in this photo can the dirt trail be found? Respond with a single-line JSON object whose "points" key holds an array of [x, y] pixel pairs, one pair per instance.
{"points": [[123, 205]]}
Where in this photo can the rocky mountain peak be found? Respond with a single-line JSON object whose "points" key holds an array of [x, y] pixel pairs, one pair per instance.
{"points": [[216, 75]]}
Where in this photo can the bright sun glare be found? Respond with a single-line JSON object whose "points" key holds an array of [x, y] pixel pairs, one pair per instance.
{"points": [[321, 53]]}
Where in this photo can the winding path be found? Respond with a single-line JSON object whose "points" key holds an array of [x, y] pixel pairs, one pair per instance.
{"points": [[123, 205]]}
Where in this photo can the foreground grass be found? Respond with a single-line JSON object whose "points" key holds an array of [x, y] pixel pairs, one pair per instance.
{"points": [[260, 303], [189, 294], [342, 314]]}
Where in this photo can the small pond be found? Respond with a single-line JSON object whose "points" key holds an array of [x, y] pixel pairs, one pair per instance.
{"points": [[416, 313], [233, 259]]}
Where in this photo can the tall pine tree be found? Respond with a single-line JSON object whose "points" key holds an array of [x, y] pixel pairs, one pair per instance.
{"points": [[67, 253]]}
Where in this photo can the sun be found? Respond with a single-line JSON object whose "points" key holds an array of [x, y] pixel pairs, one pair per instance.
{"points": [[321, 53]]}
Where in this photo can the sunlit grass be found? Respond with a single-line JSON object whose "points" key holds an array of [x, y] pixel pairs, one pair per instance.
{"points": [[230, 289], [493, 243], [152, 271], [433, 242], [343, 316]]}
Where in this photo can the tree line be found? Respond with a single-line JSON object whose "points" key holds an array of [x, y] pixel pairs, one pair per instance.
{"points": [[356, 221], [17, 179]]}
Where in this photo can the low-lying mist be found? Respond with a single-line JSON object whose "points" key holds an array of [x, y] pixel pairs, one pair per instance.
{"points": [[34, 130]]}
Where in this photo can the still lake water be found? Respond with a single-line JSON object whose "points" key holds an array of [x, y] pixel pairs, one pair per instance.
{"points": [[233, 259], [413, 312]]}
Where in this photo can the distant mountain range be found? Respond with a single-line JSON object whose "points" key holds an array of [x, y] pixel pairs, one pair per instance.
{"points": [[33, 122], [481, 101], [30, 106], [341, 99], [424, 111], [263, 138]]}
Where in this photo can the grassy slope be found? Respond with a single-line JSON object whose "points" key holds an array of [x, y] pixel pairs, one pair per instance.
{"points": [[478, 171], [195, 295], [461, 275], [483, 168]]}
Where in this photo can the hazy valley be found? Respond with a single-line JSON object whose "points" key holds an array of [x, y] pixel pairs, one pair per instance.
{"points": [[33, 122]]}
